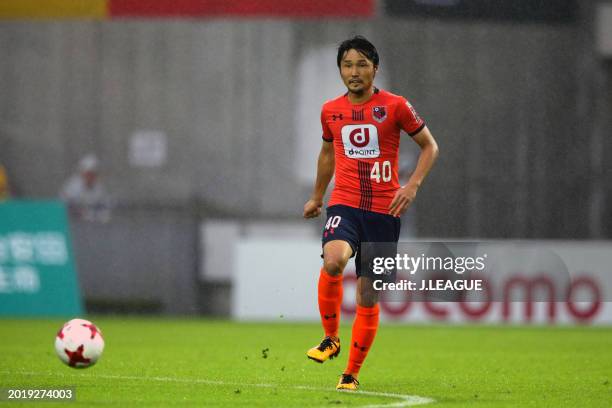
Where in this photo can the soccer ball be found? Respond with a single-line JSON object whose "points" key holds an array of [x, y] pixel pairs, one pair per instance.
{"points": [[79, 343]]}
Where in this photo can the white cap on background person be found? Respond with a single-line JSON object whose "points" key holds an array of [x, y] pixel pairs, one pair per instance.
{"points": [[88, 163]]}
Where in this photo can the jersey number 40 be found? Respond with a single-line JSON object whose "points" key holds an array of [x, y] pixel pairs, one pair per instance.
{"points": [[379, 172]]}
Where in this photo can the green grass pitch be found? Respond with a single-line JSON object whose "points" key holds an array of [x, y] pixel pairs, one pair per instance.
{"points": [[191, 362]]}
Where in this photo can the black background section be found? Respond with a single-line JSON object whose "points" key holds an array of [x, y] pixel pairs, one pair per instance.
{"points": [[559, 11]]}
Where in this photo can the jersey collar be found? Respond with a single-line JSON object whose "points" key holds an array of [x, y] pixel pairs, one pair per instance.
{"points": [[376, 91]]}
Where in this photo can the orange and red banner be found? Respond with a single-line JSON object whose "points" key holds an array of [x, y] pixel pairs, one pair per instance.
{"points": [[102, 9]]}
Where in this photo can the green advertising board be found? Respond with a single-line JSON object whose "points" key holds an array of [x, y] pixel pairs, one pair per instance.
{"points": [[37, 273]]}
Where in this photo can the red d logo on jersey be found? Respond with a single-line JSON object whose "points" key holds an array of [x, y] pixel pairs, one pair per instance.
{"points": [[360, 141], [360, 137]]}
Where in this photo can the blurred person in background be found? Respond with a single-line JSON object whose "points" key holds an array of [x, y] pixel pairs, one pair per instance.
{"points": [[84, 193], [5, 191]]}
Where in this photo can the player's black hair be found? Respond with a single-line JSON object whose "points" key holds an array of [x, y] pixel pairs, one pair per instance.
{"points": [[361, 44]]}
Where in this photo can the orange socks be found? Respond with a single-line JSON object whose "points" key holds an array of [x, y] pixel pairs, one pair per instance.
{"points": [[364, 327], [364, 331], [330, 299]]}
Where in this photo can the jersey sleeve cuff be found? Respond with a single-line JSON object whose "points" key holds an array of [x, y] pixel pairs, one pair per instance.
{"points": [[414, 132], [326, 139]]}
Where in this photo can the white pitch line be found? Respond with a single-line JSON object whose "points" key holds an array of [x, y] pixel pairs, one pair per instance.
{"points": [[405, 400]]}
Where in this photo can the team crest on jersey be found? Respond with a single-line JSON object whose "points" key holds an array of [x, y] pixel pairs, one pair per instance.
{"points": [[379, 113]]}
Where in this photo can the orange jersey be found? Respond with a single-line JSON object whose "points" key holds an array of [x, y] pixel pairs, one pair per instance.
{"points": [[366, 140]]}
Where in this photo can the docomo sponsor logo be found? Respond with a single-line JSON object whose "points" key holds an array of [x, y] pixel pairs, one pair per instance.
{"points": [[360, 141], [582, 311]]}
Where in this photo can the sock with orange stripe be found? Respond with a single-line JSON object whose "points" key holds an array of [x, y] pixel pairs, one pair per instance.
{"points": [[364, 331], [330, 299]]}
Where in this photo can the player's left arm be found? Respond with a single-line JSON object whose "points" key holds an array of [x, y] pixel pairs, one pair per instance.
{"points": [[406, 194]]}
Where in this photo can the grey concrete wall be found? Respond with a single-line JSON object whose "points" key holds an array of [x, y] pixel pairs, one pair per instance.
{"points": [[501, 99], [144, 260], [592, 147], [70, 88]]}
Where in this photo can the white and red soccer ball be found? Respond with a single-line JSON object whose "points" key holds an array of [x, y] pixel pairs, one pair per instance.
{"points": [[79, 343]]}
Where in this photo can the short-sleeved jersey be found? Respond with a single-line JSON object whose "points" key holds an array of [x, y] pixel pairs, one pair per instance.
{"points": [[366, 140]]}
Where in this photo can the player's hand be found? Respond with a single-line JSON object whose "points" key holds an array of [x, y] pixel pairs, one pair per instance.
{"points": [[312, 208], [402, 200]]}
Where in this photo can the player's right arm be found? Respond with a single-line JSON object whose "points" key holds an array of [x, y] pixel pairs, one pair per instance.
{"points": [[325, 171]]}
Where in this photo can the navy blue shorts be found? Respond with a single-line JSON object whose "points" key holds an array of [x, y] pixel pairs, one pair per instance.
{"points": [[357, 227]]}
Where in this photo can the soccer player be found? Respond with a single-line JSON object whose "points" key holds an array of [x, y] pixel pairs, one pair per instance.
{"points": [[361, 136]]}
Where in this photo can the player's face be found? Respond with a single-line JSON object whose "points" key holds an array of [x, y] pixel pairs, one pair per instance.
{"points": [[357, 71]]}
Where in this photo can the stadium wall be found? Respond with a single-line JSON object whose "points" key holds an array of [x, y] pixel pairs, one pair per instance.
{"points": [[500, 98], [142, 262]]}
